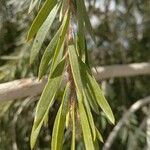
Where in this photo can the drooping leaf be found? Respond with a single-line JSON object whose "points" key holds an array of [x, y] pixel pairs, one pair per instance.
{"points": [[85, 127], [97, 92], [87, 20], [63, 9], [99, 136], [61, 39], [59, 125], [47, 56], [41, 34], [101, 99], [46, 101], [75, 68], [90, 117], [73, 127], [40, 18], [80, 32], [91, 99]]}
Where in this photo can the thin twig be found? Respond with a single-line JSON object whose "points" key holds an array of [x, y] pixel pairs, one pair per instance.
{"points": [[112, 136]]}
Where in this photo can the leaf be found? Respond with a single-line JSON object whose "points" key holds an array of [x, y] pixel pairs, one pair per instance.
{"points": [[100, 98], [80, 32], [87, 20], [87, 90], [46, 101], [91, 99], [95, 89], [47, 56], [41, 34], [85, 127], [61, 39], [90, 117], [33, 3], [73, 127], [75, 68], [59, 125], [99, 136], [40, 18]]}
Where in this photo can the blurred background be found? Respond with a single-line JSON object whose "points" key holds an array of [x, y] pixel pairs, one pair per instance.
{"points": [[122, 29]]}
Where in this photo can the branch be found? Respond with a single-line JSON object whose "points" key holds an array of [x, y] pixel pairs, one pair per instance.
{"points": [[112, 136], [31, 87]]}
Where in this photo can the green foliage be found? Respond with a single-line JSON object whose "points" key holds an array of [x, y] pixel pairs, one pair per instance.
{"points": [[65, 47], [122, 36]]}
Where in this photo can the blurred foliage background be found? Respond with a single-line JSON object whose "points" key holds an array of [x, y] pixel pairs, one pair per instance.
{"points": [[122, 30]]}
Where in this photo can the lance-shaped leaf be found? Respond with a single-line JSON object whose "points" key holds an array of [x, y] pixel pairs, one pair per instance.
{"points": [[41, 34], [40, 18], [73, 127], [61, 39], [75, 68], [95, 89], [85, 127], [91, 99], [100, 98], [86, 19], [47, 56], [46, 101], [87, 90], [99, 136], [59, 125], [90, 118], [80, 32]]}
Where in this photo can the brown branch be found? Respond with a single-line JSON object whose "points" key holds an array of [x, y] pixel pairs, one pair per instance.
{"points": [[112, 136], [31, 87]]}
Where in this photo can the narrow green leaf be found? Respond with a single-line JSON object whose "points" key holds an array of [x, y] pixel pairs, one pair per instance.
{"points": [[80, 32], [90, 117], [97, 93], [59, 125], [63, 9], [73, 128], [40, 18], [87, 90], [99, 136], [46, 101], [61, 39], [91, 99], [100, 98], [75, 68], [85, 127], [47, 56], [87, 20], [41, 34]]}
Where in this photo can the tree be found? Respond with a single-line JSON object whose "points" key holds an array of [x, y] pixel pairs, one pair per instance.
{"points": [[120, 39]]}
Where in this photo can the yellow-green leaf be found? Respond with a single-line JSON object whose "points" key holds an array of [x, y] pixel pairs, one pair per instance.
{"points": [[75, 68], [40, 18], [73, 128], [99, 136], [85, 127], [46, 101], [61, 39], [87, 20], [41, 34], [59, 125], [47, 56], [97, 92], [90, 117]]}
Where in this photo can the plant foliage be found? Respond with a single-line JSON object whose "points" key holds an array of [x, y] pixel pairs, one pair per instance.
{"points": [[66, 54]]}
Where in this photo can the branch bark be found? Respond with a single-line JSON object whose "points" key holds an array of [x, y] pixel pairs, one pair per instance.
{"points": [[31, 87], [112, 136]]}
